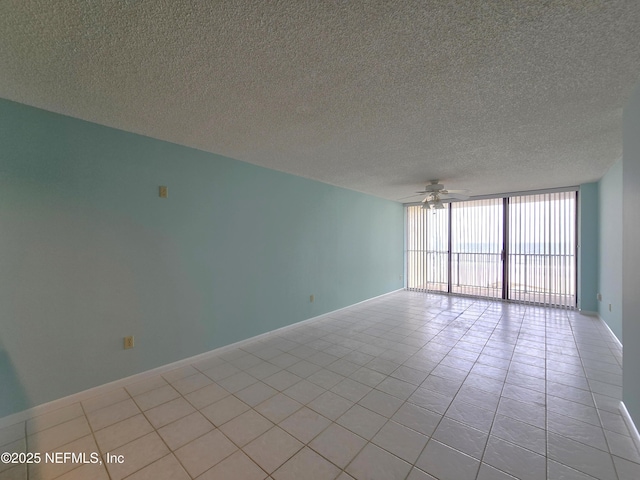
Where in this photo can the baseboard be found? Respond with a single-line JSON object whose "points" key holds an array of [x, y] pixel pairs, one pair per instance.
{"points": [[590, 313], [633, 431], [95, 391], [613, 335]]}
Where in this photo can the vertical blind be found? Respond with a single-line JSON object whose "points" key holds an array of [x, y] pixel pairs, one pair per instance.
{"points": [[520, 248], [541, 250], [476, 244], [427, 249]]}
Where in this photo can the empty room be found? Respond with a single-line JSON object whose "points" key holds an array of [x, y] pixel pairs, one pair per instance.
{"points": [[319, 240]]}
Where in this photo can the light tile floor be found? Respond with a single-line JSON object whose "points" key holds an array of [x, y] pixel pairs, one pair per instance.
{"points": [[407, 386]]}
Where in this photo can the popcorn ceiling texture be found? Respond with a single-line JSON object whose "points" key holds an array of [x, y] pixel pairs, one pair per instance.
{"points": [[377, 96]]}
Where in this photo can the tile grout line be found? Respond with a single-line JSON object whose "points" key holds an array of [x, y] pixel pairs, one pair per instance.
{"points": [[484, 450], [546, 398], [93, 435]]}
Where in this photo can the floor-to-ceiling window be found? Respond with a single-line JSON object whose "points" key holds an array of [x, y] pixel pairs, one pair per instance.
{"points": [[518, 248]]}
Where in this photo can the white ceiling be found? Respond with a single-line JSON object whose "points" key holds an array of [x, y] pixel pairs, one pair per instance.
{"points": [[377, 96]]}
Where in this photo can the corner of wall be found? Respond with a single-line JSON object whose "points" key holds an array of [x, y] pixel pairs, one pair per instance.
{"points": [[588, 228]]}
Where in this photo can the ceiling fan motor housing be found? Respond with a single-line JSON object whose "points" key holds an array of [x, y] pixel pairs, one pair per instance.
{"points": [[434, 187]]}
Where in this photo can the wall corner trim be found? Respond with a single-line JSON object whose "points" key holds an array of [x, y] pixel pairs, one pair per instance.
{"points": [[633, 431], [102, 389]]}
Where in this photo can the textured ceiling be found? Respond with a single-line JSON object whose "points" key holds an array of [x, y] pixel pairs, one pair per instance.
{"points": [[377, 96]]}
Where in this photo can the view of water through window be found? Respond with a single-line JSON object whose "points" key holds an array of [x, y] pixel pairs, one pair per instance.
{"points": [[519, 248]]}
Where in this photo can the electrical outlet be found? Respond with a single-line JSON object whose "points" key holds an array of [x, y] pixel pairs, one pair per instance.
{"points": [[164, 191], [599, 297], [128, 342], [311, 298], [609, 307]]}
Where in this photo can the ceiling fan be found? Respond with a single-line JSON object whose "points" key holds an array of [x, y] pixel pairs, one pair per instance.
{"points": [[436, 193]]}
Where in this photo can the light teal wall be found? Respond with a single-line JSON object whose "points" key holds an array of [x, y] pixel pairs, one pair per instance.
{"points": [[588, 230], [610, 249], [89, 253], [631, 256]]}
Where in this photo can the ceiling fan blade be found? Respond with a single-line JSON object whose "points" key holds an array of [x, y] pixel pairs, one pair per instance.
{"points": [[411, 196], [457, 191], [455, 196]]}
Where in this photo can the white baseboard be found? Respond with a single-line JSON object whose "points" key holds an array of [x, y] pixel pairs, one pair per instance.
{"points": [[633, 431], [101, 389], [590, 313], [613, 335]]}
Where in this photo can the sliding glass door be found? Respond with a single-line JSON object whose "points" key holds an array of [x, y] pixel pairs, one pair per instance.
{"points": [[476, 247], [541, 250], [519, 248]]}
